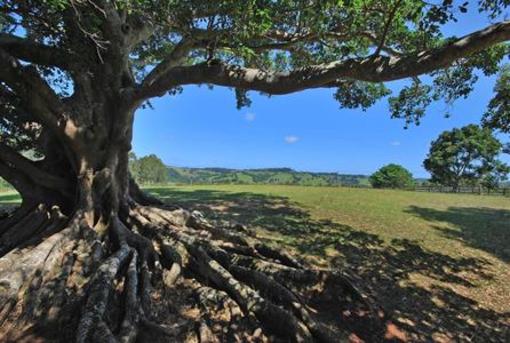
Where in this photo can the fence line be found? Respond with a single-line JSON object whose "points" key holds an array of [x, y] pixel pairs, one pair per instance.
{"points": [[504, 191]]}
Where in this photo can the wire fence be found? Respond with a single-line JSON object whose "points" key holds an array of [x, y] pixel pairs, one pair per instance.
{"points": [[504, 191]]}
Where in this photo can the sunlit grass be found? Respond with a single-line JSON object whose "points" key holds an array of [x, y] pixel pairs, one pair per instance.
{"points": [[8, 198], [388, 213]]}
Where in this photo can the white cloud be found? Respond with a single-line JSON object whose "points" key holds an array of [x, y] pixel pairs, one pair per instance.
{"points": [[291, 139], [249, 116], [395, 143]]}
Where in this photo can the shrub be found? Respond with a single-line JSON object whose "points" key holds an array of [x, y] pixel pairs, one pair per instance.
{"points": [[392, 176]]}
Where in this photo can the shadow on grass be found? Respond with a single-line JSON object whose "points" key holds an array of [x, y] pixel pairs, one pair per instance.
{"points": [[486, 229], [412, 284]]}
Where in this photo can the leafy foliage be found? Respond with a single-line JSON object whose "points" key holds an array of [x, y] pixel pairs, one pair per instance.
{"points": [[465, 155], [411, 102], [148, 169], [496, 177], [272, 36], [392, 176], [17, 128], [498, 112], [354, 94]]}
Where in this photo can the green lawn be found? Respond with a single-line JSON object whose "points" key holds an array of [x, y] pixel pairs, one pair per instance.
{"points": [[439, 264]]}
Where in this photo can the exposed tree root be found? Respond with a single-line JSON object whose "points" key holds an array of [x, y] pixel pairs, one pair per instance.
{"points": [[163, 275]]}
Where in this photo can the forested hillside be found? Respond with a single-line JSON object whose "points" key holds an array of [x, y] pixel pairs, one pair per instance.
{"points": [[285, 176]]}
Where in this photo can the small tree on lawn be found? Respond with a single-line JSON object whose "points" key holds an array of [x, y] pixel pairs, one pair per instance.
{"points": [[465, 155], [392, 176], [151, 170]]}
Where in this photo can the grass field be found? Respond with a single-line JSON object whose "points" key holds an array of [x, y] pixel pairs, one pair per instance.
{"points": [[439, 264]]}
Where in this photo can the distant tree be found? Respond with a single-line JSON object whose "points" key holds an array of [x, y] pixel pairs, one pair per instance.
{"points": [[465, 155], [134, 166], [148, 169], [392, 176]]}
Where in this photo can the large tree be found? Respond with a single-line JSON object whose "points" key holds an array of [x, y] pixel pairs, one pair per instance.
{"points": [[466, 155], [87, 253]]}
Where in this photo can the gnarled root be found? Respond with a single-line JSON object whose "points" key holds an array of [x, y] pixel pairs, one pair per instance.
{"points": [[166, 275]]}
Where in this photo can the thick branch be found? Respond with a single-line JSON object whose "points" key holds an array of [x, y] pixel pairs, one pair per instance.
{"points": [[220, 39], [17, 180], [36, 94], [141, 28], [173, 59], [22, 165], [371, 69], [34, 52]]}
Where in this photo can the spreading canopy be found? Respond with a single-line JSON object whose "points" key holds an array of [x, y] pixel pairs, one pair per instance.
{"points": [[274, 47], [465, 155]]}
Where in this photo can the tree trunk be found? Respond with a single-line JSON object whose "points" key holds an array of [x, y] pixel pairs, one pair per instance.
{"points": [[111, 264]]}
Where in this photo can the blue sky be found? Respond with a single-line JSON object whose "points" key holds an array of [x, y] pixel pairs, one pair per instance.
{"points": [[305, 131]]}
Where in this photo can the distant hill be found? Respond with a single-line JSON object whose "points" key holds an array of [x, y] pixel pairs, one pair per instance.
{"points": [[284, 176]]}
